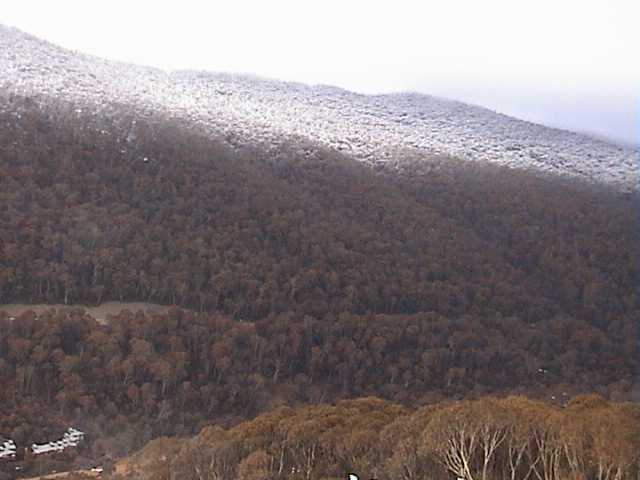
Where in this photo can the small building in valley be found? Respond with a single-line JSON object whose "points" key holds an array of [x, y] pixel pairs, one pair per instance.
{"points": [[71, 438], [7, 449]]}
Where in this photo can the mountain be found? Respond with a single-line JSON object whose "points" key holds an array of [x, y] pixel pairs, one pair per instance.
{"points": [[294, 269], [245, 109]]}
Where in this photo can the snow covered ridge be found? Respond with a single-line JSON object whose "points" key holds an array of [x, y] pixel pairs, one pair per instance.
{"points": [[372, 128]]}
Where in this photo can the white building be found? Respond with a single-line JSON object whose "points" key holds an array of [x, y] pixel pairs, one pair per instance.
{"points": [[71, 438], [7, 449]]}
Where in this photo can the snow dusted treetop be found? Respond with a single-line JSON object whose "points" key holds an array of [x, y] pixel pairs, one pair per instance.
{"points": [[371, 128]]}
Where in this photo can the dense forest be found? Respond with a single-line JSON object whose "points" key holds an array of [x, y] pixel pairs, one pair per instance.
{"points": [[142, 376], [302, 276], [511, 438], [181, 219]]}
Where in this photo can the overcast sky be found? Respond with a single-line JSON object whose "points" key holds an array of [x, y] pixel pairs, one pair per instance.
{"points": [[570, 63]]}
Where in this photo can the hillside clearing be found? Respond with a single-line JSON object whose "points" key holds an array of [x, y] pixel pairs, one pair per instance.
{"points": [[99, 312]]}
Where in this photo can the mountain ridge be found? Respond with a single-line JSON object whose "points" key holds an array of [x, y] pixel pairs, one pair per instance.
{"points": [[247, 109], [306, 275]]}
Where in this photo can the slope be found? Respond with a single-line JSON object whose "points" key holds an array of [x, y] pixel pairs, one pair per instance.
{"points": [[247, 110]]}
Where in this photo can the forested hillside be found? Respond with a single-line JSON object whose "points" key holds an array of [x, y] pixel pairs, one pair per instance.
{"points": [[91, 214], [305, 277]]}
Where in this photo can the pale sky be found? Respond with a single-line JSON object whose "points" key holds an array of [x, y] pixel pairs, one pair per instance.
{"points": [[570, 63]]}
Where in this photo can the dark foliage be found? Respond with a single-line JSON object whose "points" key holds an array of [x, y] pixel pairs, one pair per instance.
{"points": [[316, 277]]}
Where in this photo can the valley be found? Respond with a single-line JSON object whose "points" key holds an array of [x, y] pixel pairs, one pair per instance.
{"points": [[214, 271]]}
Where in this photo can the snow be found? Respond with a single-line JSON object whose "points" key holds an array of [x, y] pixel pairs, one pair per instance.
{"points": [[250, 110]]}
